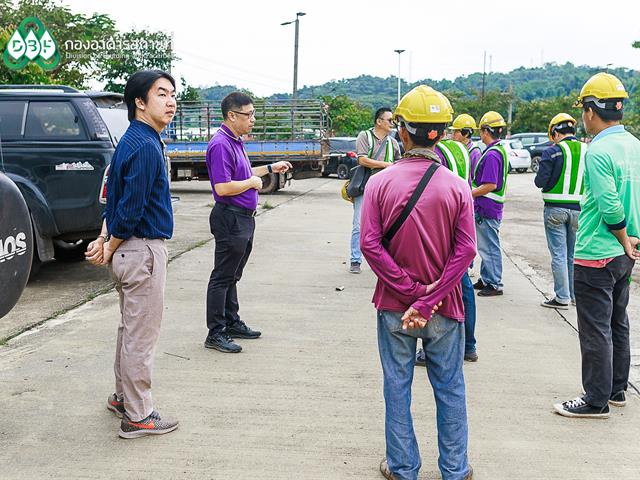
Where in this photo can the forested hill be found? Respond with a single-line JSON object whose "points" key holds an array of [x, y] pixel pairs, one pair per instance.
{"points": [[528, 84]]}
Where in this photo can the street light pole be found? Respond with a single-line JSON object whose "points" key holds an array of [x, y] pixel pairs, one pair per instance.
{"points": [[398, 52], [295, 52]]}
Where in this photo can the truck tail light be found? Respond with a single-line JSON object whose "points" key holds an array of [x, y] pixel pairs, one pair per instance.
{"points": [[351, 154], [103, 188]]}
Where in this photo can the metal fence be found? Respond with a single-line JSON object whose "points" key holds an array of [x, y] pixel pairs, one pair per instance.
{"points": [[275, 120]]}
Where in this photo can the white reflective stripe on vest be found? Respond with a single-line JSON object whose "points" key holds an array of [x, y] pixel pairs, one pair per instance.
{"points": [[494, 197], [566, 194], [452, 160], [389, 155]]}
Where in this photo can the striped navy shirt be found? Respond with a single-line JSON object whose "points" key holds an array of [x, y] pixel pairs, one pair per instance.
{"points": [[138, 197]]}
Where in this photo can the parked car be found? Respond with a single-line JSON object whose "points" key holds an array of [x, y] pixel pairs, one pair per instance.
{"points": [[535, 144], [56, 149], [519, 157], [342, 157]]}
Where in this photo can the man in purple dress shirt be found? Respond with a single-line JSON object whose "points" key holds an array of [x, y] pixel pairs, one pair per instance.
{"points": [[419, 272], [235, 187]]}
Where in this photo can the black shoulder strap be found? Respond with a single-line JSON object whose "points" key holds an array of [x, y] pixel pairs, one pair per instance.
{"points": [[406, 211]]}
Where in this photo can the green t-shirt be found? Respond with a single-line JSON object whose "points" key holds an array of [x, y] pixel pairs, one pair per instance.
{"points": [[611, 194]]}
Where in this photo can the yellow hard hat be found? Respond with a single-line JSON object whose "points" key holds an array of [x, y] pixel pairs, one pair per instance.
{"points": [[343, 192], [463, 121], [602, 86], [557, 120], [492, 120], [424, 105]]}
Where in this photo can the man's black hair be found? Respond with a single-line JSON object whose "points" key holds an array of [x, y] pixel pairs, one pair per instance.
{"points": [[466, 132], [234, 101], [427, 134], [138, 86], [379, 113], [565, 130], [495, 132], [610, 113]]}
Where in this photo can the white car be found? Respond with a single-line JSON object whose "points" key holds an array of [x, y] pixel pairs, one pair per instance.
{"points": [[519, 158]]}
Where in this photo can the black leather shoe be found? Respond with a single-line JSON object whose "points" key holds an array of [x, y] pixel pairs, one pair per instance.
{"points": [[239, 329], [479, 285], [489, 291], [222, 342]]}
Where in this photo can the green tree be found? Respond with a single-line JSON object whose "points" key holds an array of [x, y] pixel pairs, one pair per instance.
{"points": [[144, 49], [534, 116], [188, 93], [64, 26], [348, 117]]}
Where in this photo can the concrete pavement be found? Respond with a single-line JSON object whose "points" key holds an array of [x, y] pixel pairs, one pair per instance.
{"points": [[304, 401]]}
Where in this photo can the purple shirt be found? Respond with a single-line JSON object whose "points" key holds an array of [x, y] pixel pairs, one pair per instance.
{"points": [[474, 154], [437, 241], [227, 161], [491, 170]]}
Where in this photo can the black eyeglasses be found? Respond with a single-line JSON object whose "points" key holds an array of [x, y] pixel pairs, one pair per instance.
{"points": [[250, 114]]}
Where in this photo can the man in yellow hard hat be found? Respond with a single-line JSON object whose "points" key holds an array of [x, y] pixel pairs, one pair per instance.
{"points": [[489, 189], [606, 249], [462, 130], [419, 270], [560, 176]]}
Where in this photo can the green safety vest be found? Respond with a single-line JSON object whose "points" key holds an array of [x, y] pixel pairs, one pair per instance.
{"points": [[457, 157], [389, 155], [570, 186], [497, 195]]}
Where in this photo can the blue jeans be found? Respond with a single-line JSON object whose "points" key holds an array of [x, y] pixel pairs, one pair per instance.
{"points": [[488, 233], [469, 300], [356, 254], [560, 226], [443, 341]]}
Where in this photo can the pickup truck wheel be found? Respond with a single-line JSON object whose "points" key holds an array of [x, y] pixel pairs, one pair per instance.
{"points": [[16, 244], [342, 171], [69, 251], [535, 163], [269, 183]]}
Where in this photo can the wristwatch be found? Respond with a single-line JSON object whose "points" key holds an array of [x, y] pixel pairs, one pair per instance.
{"points": [[105, 237], [269, 168]]}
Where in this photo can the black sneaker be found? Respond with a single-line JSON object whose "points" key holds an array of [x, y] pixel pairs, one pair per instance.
{"points": [[421, 358], [116, 405], [553, 303], [479, 285], [354, 268], [618, 399], [222, 342], [239, 329], [578, 408], [489, 291], [471, 357], [152, 425]]}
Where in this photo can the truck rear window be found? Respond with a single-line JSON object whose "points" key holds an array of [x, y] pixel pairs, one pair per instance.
{"points": [[52, 120]]}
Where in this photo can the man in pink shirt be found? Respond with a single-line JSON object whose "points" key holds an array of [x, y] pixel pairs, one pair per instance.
{"points": [[419, 271]]}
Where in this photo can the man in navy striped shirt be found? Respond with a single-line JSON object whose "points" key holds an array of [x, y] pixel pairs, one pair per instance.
{"points": [[138, 218]]}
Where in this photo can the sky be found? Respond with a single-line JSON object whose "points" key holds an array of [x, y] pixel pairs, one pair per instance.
{"points": [[243, 43]]}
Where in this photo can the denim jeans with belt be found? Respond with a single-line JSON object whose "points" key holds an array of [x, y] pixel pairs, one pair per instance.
{"points": [[443, 341], [560, 226], [488, 235]]}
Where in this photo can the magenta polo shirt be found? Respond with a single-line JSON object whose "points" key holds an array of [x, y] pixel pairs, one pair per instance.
{"points": [[490, 170], [437, 241], [227, 161]]}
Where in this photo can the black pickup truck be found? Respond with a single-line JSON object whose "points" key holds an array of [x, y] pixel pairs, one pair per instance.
{"points": [[56, 147]]}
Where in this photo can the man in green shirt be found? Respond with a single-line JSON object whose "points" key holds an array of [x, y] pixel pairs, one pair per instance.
{"points": [[606, 249]]}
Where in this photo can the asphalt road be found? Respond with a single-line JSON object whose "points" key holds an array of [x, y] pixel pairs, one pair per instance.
{"points": [[63, 285]]}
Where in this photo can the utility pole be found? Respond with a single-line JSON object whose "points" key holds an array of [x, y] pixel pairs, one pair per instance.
{"points": [[510, 112], [295, 51], [484, 74], [294, 96], [398, 52]]}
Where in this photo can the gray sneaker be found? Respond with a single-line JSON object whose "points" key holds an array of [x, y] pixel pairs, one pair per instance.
{"points": [[116, 405], [355, 267], [152, 425], [384, 470]]}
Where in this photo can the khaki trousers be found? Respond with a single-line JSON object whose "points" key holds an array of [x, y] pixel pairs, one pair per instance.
{"points": [[139, 270]]}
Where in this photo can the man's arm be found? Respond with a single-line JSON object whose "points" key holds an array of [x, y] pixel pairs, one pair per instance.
{"points": [[362, 150], [278, 167], [383, 265], [545, 169], [484, 189], [236, 187]]}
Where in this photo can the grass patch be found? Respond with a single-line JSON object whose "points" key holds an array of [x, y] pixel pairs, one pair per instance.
{"points": [[267, 206]]}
